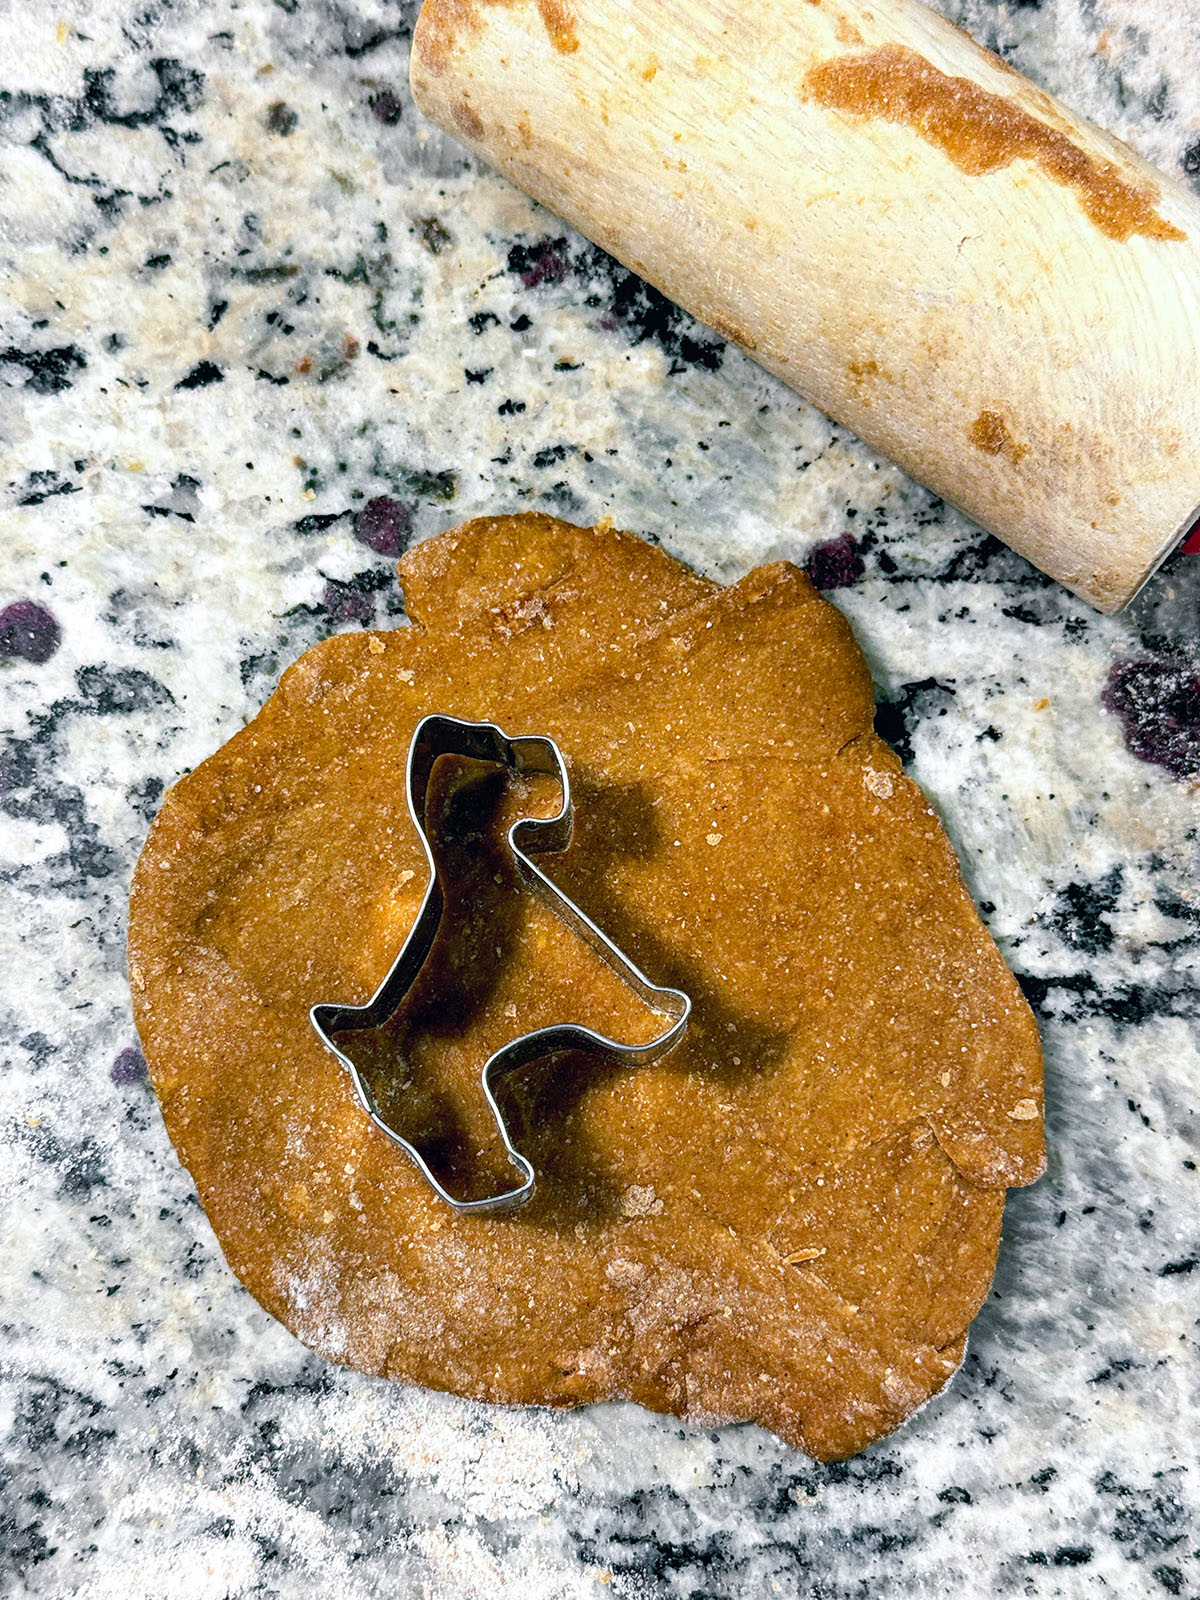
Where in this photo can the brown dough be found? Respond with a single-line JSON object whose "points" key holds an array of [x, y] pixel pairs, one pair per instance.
{"points": [[791, 1218]]}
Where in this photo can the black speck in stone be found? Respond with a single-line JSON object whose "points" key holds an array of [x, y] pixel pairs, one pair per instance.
{"points": [[550, 454], [542, 262], [479, 375], [510, 407], [1176, 1269], [144, 796], [28, 632], [156, 263], [1080, 911], [835, 563], [435, 236], [216, 311], [521, 323], [479, 320], [627, 303], [1072, 1555], [48, 371], [202, 374], [896, 719], [281, 119], [317, 521]]}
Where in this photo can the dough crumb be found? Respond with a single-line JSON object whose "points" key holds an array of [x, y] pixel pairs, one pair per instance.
{"points": [[715, 838], [1024, 1111], [879, 783], [625, 1273], [639, 1200], [375, 644]]}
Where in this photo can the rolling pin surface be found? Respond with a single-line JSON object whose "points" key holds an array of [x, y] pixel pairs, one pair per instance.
{"points": [[989, 290]]}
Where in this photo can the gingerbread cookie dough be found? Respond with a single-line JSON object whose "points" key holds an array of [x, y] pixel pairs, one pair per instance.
{"points": [[793, 1217]]}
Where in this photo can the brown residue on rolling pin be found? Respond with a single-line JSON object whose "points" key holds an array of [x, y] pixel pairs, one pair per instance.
{"points": [[732, 331], [989, 432], [982, 132], [466, 119], [442, 21], [863, 375]]}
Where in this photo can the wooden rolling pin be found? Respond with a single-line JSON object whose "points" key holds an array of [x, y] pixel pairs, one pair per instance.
{"points": [[994, 293]]}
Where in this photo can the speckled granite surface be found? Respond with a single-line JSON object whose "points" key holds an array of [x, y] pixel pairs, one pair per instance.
{"points": [[261, 327]]}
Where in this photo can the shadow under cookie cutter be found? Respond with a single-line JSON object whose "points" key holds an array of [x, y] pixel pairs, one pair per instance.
{"points": [[436, 736]]}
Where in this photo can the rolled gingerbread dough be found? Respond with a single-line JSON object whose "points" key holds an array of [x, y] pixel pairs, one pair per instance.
{"points": [[793, 1217]]}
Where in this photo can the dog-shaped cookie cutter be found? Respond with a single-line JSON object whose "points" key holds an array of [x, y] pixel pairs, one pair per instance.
{"points": [[436, 736]]}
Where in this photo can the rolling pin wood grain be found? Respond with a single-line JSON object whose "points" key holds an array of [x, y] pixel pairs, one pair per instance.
{"points": [[986, 288]]}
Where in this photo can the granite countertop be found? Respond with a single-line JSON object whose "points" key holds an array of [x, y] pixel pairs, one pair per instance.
{"points": [[262, 328]]}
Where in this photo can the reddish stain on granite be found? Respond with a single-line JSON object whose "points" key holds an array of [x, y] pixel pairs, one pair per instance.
{"points": [[29, 632], [1157, 701], [835, 564], [384, 525]]}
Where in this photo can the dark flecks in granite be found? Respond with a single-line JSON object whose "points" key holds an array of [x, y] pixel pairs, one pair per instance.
{"points": [[201, 375], [1080, 913], [1078, 998], [1157, 702], [626, 302], [281, 118], [28, 632], [1069, 1555], [317, 521], [47, 371], [179, 90], [144, 797], [31, 791], [435, 236], [78, 1164], [1146, 1522], [1177, 1269], [43, 485], [898, 716], [552, 454]]}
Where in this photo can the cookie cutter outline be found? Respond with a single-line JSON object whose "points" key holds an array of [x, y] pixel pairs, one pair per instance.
{"points": [[437, 735]]}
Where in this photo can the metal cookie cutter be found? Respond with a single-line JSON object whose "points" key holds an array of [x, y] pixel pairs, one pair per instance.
{"points": [[535, 753]]}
